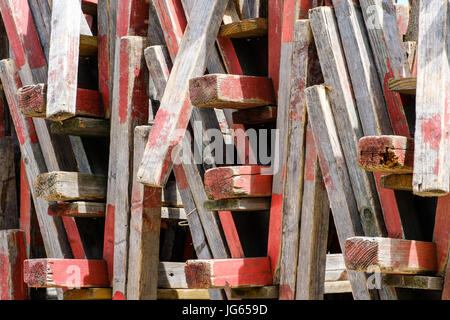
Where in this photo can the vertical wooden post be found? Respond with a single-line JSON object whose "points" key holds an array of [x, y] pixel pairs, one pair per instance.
{"points": [[275, 34]]}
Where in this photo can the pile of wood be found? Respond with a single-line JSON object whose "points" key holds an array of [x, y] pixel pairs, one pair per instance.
{"points": [[224, 149]]}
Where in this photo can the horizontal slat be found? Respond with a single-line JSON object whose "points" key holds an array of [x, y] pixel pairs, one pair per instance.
{"points": [[258, 115], [403, 85], [245, 204], [248, 28], [83, 127], [413, 282], [401, 182]]}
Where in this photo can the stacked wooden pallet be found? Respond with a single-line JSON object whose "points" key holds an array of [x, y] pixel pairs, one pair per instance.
{"points": [[172, 150]]}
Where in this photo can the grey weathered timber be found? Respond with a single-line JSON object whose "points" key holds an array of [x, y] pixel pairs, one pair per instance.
{"points": [[315, 212], [432, 141], [412, 32], [63, 59], [175, 110], [336, 177], [82, 127], [145, 225], [332, 61], [288, 181], [239, 205], [9, 214]]}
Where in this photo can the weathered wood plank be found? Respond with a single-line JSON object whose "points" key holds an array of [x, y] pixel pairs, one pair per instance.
{"points": [[337, 287], [104, 30], [88, 294], [9, 213], [314, 224], [64, 186], [239, 205], [174, 112], [392, 256], [220, 273], [237, 182], [431, 157], [412, 281], [389, 54], [441, 232], [184, 294], [335, 175], [88, 46], [287, 186], [259, 115], [397, 182], [79, 209], [33, 101], [65, 273], [81, 126], [332, 61], [275, 23], [129, 109], [230, 91], [266, 292], [403, 85], [169, 213], [386, 154], [145, 227], [413, 23], [63, 59], [247, 28], [446, 289], [12, 256], [89, 6]]}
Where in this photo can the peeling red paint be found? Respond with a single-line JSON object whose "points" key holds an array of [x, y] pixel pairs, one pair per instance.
{"points": [[431, 131]]}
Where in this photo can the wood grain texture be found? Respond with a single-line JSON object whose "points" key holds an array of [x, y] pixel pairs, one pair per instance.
{"points": [[88, 294], [79, 209], [266, 292], [441, 232], [247, 28], [390, 56], [314, 224], [145, 227], [175, 110], [184, 294], [12, 256], [403, 85], [230, 91], [412, 282], [386, 154], [129, 109], [65, 273], [432, 142], [104, 30], [236, 182], [33, 101], [259, 115], [9, 212], [336, 177], [64, 186], [82, 126], [219, 273], [63, 59], [326, 36], [393, 256], [239, 205], [446, 289], [275, 23], [397, 182], [287, 185]]}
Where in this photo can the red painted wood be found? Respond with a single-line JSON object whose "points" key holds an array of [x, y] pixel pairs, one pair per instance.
{"points": [[441, 233], [244, 150], [229, 56], [32, 101], [103, 42], [231, 234], [12, 256], [74, 238], [2, 116], [236, 182], [255, 116], [108, 241], [68, 209], [230, 91], [228, 273], [25, 207], [446, 289], [71, 273], [274, 36]]}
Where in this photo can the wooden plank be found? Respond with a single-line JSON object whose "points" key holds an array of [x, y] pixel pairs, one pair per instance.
{"points": [[233, 273], [175, 109], [78, 209], [403, 85], [171, 275], [247, 28], [335, 175], [12, 256], [88, 294], [412, 281], [65, 273], [368, 94], [413, 23], [171, 196], [397, 182], [402, 11], [337, 287], [89, 6], [104, 30], [446, 289], [392, 256], [237, 182], [266, 292], [259, 115], [82, 126], [9, 213], [389, 54], [169, 213], [239, 205], [230, 91], [275, 22], [332, 61], [63, 59], [431, 157], [159, 65], [288, 178], [53, 234], [145, 226], [64, 186], [386, 154], [184, 294], [441, 232], [313, 238], [129, 109], [88, 46], [33, 101]]}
